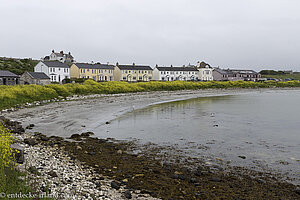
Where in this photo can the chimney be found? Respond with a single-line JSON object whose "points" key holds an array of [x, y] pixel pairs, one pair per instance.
{"points": [[61, 52], [107, 63], [133, 64], [117, 64], [69, 53], [92, 62], [53, 51], [156, 65], [171, 65]]}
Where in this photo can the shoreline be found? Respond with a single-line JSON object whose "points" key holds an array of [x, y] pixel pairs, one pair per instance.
{"points": [[141, 100], [84, 167], [87, 113]]}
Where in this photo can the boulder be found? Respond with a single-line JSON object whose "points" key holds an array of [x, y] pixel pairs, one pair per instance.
{"points": [[30, 141], [18, 153]]}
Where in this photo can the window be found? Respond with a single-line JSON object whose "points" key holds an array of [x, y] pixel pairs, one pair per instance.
{"points": [[53, 69], [81, 70], [124, 78], [110, 78], [134, 78], [126, 71], [150, 77], [54, 78], [140, 78], [161, 72]]}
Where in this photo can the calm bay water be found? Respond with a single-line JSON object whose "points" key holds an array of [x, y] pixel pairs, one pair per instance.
{"points": [[263, 126]]}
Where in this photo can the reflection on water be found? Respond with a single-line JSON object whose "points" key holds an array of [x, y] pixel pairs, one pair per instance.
{"points": [[264, 127]]}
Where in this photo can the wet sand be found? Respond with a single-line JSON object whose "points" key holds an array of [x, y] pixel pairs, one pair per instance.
{"points": [[71, 117]]}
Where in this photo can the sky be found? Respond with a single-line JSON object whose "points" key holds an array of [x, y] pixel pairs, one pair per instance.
{"points": [[241, 34]]}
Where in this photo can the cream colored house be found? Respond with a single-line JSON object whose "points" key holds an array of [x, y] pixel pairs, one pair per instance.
{"points": [[205, 72], [133, 73], [97, 71]]}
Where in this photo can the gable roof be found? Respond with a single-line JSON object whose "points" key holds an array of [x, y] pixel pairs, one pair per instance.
{"points": [[55, 64], [221, 71], [64, 54], [176, 69], [243, 71], [4, 73], [134, 67], [38, 75], [94, 66]]}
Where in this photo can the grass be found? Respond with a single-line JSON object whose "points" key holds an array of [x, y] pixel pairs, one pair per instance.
{"points": [[283, 76], [11, 96]]}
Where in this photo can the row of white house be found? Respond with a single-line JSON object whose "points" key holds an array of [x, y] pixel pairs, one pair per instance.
{"points": [[60, 66], [58, 71]]}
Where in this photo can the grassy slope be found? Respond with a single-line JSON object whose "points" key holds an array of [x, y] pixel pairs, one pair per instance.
{"points": [[11, 96], [17, 66], [284, 76]]}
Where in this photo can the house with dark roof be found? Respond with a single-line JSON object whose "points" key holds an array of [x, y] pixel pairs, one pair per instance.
{"points": [[60, 56], [188, 73], [37, 78], [8, 78], [235, 75], [96, 71], [57, 71], [133, 73]]}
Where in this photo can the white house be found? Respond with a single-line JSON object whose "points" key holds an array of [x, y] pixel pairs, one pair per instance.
{"points": [[57, 71], [61, 57], [175, 73], [205, 71]]}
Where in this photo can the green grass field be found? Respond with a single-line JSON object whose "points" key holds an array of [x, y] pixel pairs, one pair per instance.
{"points": [[284, 76]]}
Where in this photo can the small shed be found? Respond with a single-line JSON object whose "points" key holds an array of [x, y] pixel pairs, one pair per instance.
{"points": [[37, 78], [8, 78]]}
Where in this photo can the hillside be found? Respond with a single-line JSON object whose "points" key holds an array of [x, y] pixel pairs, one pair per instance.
{"points": [[17, 66]]}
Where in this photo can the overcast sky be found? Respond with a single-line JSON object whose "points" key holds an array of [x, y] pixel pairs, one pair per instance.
{"points": [[256, 34]]}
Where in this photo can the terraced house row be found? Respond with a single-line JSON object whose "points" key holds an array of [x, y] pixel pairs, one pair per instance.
{"points": [[60, 66]]}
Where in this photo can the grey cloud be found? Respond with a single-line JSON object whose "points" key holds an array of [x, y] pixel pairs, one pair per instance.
{"points": [[233, 33]]}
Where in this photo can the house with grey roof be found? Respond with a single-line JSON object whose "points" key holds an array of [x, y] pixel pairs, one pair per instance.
{"points": [[235, 75], [37, 78], [60, 56], [171, 73], [57, 71], [8, 78], [95, 71], [133, 73]]}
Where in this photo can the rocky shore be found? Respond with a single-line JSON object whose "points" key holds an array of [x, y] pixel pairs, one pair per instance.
{"points": [[53, 173], [85, 167]]}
